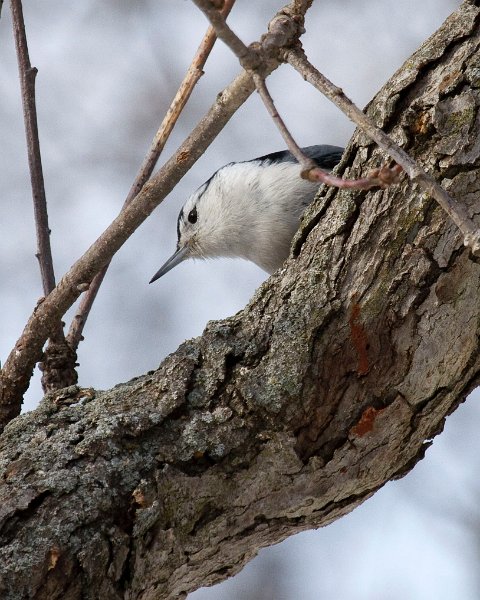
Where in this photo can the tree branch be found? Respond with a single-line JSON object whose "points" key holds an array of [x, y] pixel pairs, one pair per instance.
{"points": [[178, 103], [286, 416], [59, 360], [248, 58], [17, 369], [377, 178], [27, 83]]}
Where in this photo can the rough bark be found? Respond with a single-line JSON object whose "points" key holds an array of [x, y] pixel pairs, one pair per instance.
{"points": [[332, 381]]}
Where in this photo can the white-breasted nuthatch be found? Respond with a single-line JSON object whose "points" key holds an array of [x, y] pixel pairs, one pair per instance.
{"points": [[248, 209]]}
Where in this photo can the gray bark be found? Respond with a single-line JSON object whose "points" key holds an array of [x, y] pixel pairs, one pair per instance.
{"points": [[286, 416]]}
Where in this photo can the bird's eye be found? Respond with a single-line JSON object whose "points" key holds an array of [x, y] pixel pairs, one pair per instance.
{"points": [[192, 216]]}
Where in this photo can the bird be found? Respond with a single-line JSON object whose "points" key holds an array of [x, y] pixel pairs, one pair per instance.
{"points": [[249, 209]]}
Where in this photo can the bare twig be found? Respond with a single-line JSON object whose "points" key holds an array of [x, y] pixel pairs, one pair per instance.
{"points": [[296, 57], [377, 178], [305, 162], [195, 71], [59, 360], [178, 103], [456, 211], [250, 60], [27, 83], [17, 369]]}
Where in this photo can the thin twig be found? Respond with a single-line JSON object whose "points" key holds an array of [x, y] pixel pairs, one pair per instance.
{"points": [[305, 162], [195, 71], [377, 178], [309, 169], [17, 369], [178, 103], [248, 58], [456, 211], [59, 360], [27, 84]]}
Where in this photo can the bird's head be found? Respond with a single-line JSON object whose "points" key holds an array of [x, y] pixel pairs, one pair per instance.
{"points": [[210, 223]]}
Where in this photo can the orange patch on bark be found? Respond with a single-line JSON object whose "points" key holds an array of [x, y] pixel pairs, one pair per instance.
{"points": [[359, 339], [366, 423]]}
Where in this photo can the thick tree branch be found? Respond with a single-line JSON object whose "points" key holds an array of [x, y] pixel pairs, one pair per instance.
{"points": [[166, 127], [332, 381]]}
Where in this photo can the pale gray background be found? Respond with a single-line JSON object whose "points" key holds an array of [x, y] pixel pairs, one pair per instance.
{"points": [[107, 71]]}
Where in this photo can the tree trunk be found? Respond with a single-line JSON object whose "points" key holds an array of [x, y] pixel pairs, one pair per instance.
{"points": [[332, 381]]}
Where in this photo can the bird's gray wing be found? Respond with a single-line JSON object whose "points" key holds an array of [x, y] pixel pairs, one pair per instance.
{"points": [[324, 155]]}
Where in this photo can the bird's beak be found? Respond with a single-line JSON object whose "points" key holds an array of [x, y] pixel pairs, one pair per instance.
{"points": [[180, 255]]}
